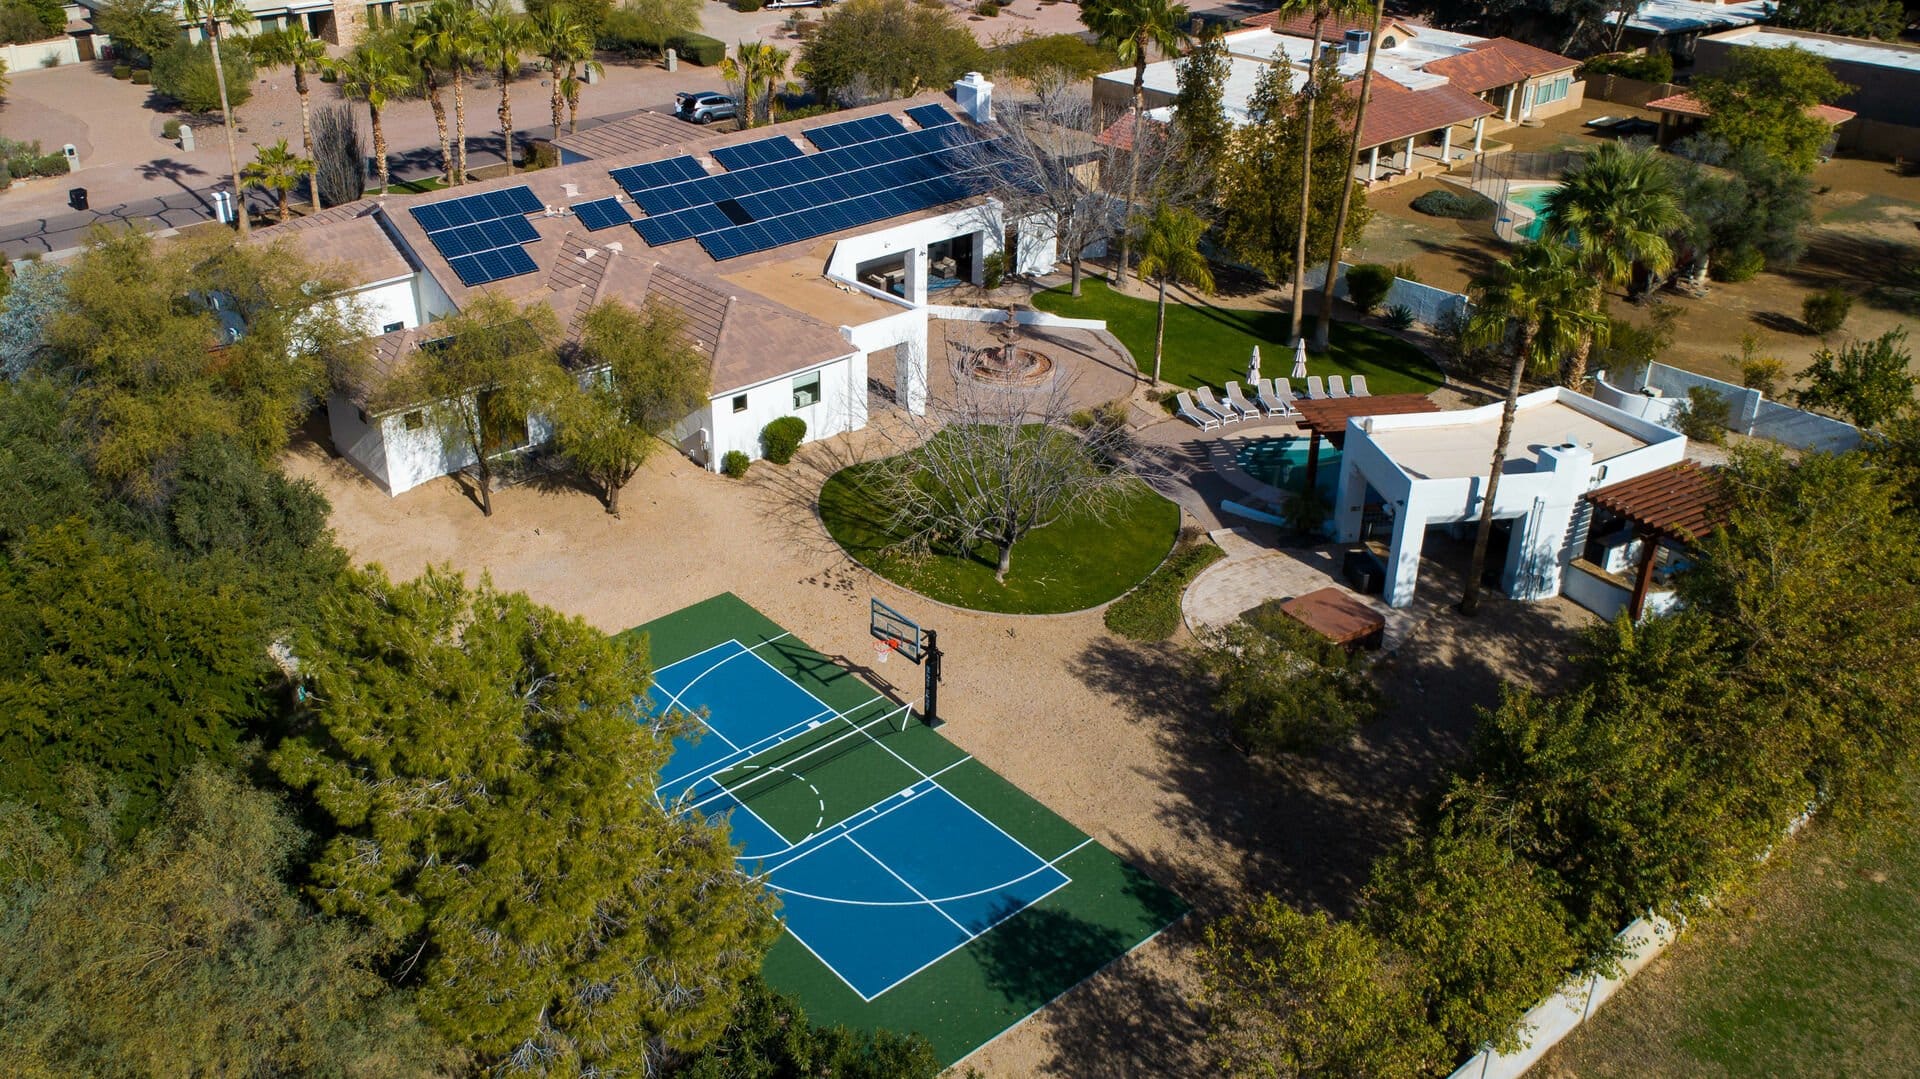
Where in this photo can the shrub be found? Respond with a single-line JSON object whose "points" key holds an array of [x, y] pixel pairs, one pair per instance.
{"points": [[699, 49], [1740, 265], [1647, 66], [748, 5], [1404, 271], [6, 177], [185, 74], [541, 155], [1763, 373], [1368, 284], [988, 9], [24, 159], [993, 270], [735, 464], [170, 129], [1151, 612], [1466, 206], [122, 72], [1400, 317], [142, 77], [1825, 311], [779, 439], [1703, 416], [1309, 512], [1284, 687]]}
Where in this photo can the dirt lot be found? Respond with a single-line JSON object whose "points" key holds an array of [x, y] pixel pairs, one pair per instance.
{"points": [[1109, 734]]}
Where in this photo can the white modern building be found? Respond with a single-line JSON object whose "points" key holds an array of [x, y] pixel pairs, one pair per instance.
{"points": [[793, 317], [1429, 470]]}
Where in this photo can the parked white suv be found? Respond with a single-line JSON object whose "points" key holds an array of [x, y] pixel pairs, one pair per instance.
{"points": [[705, 107]]}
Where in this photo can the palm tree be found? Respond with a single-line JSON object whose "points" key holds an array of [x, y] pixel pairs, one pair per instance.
{"points": [[295, 48], [1170, 253], [1618, 207], [501, 33], [279, 170], [1133, 29], [1323, 328], [560, 39], [424, 54], [210, 14], [757, 69], [376, 71], [1539, 295], [579, 68], [443, 41], [1317, 73]]}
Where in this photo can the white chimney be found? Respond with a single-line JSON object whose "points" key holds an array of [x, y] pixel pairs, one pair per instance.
{"points": [[974, 94]]}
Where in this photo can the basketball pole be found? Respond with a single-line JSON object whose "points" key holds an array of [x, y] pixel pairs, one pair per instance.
{"points": [[933, 679]]}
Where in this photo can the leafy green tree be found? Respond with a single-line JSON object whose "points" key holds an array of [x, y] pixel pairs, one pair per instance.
{"points": [[377, 71], [1051, 58], [37, 293], [278, 169], [867, 50], [185, 73], [112, 659], [562, 39], [1200, 125], [1296, 995], [1170, 254], [1897, 448], [293, 47], [1742, 209], [1135, 30], [769, 1037], [500, 34], [1350, 197], [492, 365], [1883, 19], [1482, 925], [1616, 208], [31, 20], [642, 376], [1761, 100], [43, 472], [182, 951], [143, 29], [593, 14], [472, 750], [1868, 382], [1285, 687]]}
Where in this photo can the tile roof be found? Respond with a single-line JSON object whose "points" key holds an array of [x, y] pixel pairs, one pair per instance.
{"points": [[644, 130], [1301, 24], [1688, 105], [1119, 134], [1498, 62], [1397, 112], [1682, 502]]}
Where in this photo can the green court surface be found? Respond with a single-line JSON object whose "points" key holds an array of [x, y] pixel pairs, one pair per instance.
{"points": [[920, 891]]}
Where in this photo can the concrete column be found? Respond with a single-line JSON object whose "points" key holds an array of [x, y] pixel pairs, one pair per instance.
{"points": [[1403, 562], [910, 370], [1446, 146], [916, 282], [1349, 503], [1409, 169], [1373, 164], [1512, 92], [1479, 131]]}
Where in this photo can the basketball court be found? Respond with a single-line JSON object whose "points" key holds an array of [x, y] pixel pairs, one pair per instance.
{"points": [[920, 891]]}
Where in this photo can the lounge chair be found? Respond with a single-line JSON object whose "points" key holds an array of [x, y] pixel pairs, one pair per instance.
{"points": [[1188, 412], [1227, 413], [1277, 395], [1239, 400], [1360, 386], [1315, 391], [1336, 386]]}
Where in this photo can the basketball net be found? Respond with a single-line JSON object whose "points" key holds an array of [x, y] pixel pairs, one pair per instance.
{"points": [[885, 647]]}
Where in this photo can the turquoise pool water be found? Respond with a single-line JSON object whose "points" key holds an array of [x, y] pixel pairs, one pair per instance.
{"points": [[1535, 199], [1282, 461]]}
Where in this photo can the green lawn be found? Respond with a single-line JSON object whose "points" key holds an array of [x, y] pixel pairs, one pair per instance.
{"points": [[1208, 345], [1078, 562], [1815, 972]]}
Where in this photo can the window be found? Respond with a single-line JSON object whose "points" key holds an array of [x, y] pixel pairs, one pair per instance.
{"points": [[806, 390], [414, 420], [1557, 90], [393, 327], [740, 403]]}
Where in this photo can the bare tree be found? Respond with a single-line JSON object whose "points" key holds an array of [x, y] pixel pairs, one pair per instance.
{"points": [[989, 463]]}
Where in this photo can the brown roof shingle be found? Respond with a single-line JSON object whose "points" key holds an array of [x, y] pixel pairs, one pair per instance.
{"points": [[1397, 112], [1688, 105], [1497, 62], [645, 130]]}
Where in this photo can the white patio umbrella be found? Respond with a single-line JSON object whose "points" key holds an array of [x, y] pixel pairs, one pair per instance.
{"points": [[1300, 358], [1253, 367]]}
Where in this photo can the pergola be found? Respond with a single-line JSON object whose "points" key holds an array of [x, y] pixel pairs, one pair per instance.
{"points": [[1681, 503], [1327, 417]]}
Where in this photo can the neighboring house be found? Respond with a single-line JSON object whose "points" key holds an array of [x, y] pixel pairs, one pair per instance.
{"points": [[1436, 93], [1884, 77], [789, 310], [1675, 26], [1681, 115]]}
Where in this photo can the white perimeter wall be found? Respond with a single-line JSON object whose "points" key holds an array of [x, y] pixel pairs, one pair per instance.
{"points": [[33, 54]]}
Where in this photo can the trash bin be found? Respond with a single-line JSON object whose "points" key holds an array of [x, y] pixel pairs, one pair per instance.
{"points": [[77, 198]]}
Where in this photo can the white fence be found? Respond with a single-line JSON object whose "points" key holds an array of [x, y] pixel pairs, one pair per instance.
{"points": [[1025, 318], [1429, 305], [1748, 411], [32, 54]]}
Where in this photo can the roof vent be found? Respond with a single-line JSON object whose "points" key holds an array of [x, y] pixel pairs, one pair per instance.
{"points": [[1357, 41], [615, 247], [572, 190]]}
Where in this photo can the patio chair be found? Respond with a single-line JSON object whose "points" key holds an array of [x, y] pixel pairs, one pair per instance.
{"points": [[1315, 391], [1336, 386], [1188, 412], [1227, 413], [1277, 395], [1360, 386], [1239, 400]]}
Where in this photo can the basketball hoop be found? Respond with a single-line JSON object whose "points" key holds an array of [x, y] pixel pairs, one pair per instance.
{"points": [[885, 647]]}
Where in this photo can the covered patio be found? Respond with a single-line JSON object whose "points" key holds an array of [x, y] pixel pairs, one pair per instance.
{"points": [[1327, 418], [1646, 525]]}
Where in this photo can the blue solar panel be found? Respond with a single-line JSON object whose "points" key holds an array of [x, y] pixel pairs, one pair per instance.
{"points": [[601, 214], [748, 154], [834, 136], [475, 209], [931, 115]]}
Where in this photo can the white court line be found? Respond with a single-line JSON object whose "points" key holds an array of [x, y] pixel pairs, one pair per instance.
{"points": [[673, 699], [876, 860], [837, 739], [1034, 872], [748, 751]]}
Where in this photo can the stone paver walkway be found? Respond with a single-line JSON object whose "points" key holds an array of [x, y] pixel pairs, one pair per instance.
{"points": [[1254, 572]]}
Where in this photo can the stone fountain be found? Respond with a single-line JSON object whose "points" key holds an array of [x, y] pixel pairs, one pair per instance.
{"points": [[1011, 362]]}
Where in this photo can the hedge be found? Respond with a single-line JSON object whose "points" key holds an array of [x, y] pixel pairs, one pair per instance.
{"points": [[1151, 612], [1445, 203], [699, 49]]}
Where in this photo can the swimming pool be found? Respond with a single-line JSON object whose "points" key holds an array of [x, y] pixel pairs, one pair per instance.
{"points": [[1534, 199], [1282, 462]]}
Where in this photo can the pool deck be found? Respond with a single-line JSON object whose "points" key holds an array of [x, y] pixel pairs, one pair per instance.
{"points": [[1221, 451]]}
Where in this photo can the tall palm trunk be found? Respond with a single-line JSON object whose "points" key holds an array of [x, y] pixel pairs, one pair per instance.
{"points": [[440, 120], [1470, 595], [506, 117], [1314, 89], [1323, 327], [1575, 371], [573, 98], [226, 121], [559, 101], [1133, 155], [379, 144], [460, 118], [306, 129], [1160, 331]]}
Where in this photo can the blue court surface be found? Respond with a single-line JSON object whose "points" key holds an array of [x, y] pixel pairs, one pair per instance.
{"points": [[881, 871]]}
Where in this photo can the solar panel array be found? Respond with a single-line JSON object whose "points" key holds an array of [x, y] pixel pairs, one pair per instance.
{"points": [[781, 202], [834, 136], [748, 154], [657, 173], [931, 115], [480, 235], [601, 214]]}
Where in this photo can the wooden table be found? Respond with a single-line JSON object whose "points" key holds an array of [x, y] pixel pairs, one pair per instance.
{"points": [[1338, 617]]}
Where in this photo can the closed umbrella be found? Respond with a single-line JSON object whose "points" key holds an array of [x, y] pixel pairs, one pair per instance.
{"points": [[1300, 359], [1253, 367]]}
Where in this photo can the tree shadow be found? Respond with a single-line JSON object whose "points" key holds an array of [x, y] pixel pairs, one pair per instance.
{"points": [[178, 173], [1774, 320]]}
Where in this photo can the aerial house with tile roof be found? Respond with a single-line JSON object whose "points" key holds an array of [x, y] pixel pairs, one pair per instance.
{"points": [[1436, 93], [799, 256]]}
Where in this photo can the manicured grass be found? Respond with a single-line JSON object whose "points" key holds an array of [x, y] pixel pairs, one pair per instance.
{"points": [[1207, 345], [1151, 612], [1081, 561], [415, 187], [1815, 972]]}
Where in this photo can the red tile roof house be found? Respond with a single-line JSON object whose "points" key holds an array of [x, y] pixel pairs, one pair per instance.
{"points": [[1436, 93], [789, 317]]}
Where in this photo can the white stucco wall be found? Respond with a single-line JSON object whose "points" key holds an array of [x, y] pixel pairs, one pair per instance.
{"points": [[984, 219], [357, 439], [388, 302], [841, 407]]}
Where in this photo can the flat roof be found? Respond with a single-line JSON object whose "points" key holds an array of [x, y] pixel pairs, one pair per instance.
{"points": [[1889, 54], [1462, 450], [1683, 16]]}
